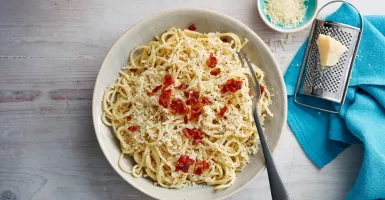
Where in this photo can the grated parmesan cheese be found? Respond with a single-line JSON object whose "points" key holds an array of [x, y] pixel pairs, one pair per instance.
{"points": [[282, 44], [288, 13], [288, 38]]}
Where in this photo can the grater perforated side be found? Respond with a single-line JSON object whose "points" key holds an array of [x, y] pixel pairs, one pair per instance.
{"points": [[329, 82], [325, 88]]}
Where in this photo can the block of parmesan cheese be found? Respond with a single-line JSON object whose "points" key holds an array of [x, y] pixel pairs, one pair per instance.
{"points": [[330, 50]]}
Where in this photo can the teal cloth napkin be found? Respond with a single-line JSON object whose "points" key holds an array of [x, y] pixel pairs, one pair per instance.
{"points": [[362, 121]]}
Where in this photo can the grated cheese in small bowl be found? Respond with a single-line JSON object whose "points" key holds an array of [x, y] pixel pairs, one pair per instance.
{"points": [[288, 15]]}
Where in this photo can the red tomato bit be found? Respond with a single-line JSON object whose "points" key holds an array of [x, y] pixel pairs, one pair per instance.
{"points": [[185, 119], [186, 132], [212, 61], [155, 90], [192, 27], [194, 95], [215, 71], [205, 100], [195, 113], [168, 80], [186, 94], [194, 98], [183, 159], [193, 134], [178, 106], [261, 88], [200, 167], [232, 86], [165, 98], [128, 118], [133, 69], [133, 128], [184, 163], [182, 86], [223, 110], [196, 104]]}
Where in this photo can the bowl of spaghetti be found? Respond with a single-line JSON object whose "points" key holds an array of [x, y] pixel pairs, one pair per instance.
{"points": [[172, 105]]}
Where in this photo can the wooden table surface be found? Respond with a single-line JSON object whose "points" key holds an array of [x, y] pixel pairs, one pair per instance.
{"points": [[50, 54]]}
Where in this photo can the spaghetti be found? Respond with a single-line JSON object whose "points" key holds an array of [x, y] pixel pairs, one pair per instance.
{"points": [[182, 109]]}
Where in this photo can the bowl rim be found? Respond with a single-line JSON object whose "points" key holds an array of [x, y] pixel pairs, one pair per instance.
{"points": [[291, 30], [96, 102]]}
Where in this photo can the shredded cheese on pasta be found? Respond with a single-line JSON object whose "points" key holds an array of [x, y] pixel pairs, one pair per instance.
{"points": [[159, 141]]}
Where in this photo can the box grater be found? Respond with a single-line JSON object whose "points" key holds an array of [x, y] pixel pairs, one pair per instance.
{"points": [[325, 88]]}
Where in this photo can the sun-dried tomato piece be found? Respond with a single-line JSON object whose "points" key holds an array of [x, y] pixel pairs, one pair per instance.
{"points": [[195, 113], [193, 134], [204, 164], [155, 90], [189, 101], [198, 141], [133, 128], [198, 170], [184, 163], [185, 119], [191, 162], [183, 159], [194, 95], [128, 118], [133, 69], [186, 94], [212, 61], [197, 106], [165, 98], [194, 98], [192, 27], [178, 106], [168, 80], [186, 132], [224, 40], [182, 86], [223, 110], [205, 100], [200, 167], [231, 86], [261, 88], [215, 71]]}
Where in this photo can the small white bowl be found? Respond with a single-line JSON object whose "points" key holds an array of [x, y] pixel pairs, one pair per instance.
{"points": [[311, 12], [205, 21]]}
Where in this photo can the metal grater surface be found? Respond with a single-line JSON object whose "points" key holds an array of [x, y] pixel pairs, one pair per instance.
{"points": [[329, 83]]}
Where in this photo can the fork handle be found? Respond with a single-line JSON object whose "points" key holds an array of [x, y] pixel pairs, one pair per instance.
{"points": [[277, 188]]}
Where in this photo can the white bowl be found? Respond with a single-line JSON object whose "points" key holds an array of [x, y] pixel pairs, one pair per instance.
{"points": [[205, 21], [310, 15]]}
